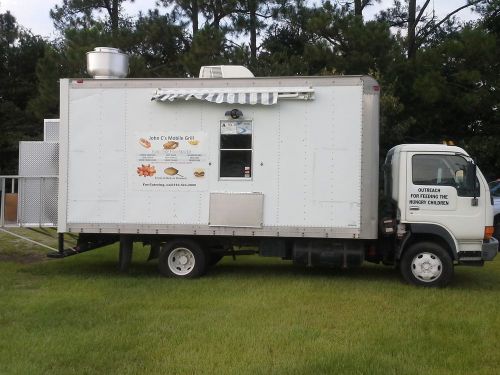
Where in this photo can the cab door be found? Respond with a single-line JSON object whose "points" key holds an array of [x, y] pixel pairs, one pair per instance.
{"points": [[439, 191]]}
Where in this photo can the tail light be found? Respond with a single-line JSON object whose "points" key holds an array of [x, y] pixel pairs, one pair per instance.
{"points": [[488, 233]]}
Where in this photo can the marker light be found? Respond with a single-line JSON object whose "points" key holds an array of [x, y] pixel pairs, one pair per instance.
{"points": [[488, 233]]}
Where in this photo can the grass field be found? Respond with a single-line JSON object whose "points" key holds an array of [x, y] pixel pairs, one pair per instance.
{"points": [[254, 316]]}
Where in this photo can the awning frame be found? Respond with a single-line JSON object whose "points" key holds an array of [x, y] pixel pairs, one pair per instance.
{"points": [[238, 95]]}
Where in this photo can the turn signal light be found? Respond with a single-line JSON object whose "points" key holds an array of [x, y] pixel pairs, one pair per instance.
{"points": [[488, 233]]}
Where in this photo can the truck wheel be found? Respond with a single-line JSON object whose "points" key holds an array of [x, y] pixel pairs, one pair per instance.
{"points": [[183, 259], [125, 253], [427, 264]]}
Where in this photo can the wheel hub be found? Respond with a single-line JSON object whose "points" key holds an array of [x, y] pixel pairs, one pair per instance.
{"points": [[426, 267], [181, 261]]}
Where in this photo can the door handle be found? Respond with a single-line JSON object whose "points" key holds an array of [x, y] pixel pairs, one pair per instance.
{"points": [[414, 208]]}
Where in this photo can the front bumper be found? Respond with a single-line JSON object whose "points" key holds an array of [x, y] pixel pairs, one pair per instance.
{"points": [[489, 249]]}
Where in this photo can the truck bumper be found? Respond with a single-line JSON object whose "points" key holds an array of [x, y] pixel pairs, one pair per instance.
{"points": [[489, 250]]}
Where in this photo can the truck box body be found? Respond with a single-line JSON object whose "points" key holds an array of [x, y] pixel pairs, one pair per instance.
{"points": [[300, 159]]}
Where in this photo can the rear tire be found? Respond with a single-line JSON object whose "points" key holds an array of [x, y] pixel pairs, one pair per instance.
{"points": [[427, 264], [182, 259]]}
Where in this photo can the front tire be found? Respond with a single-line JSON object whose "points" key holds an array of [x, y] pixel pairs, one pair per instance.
{"points": [[182, 259], [427, 264]]}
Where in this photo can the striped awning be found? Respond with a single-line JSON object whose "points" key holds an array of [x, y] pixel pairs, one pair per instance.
{"points": [[252, 96]]}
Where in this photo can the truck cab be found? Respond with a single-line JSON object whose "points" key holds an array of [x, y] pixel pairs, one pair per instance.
{"points": [[440, 211]]}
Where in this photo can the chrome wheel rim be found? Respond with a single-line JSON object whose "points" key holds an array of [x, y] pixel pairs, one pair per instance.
{"points": [[426, 267], [181, 261]]}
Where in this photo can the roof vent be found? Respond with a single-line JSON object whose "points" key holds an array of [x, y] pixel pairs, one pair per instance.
{"points": [[225, 71], [106, 63]]}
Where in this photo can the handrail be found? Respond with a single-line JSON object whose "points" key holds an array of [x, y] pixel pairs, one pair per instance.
{"points": [[28, 239], [22, 176], [2, 205]]}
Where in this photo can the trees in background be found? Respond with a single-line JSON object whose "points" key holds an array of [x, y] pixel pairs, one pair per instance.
{"points": [[20, 52], [439, 78], [421, 23], [86, 13]]}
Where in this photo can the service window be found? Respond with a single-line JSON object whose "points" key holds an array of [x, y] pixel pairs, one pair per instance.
{"points": [[442, 170], [236, 149]]}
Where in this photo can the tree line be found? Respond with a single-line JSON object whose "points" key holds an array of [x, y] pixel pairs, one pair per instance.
{"points": [[439, 77]]}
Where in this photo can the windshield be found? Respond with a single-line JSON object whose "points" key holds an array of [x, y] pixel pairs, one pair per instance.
{"points": [[495, 188]]}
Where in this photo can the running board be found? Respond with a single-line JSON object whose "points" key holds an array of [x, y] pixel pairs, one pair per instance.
{"points": [[471, 261], [69, 252]]}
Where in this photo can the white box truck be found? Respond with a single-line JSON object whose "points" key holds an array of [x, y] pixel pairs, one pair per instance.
{"points": [[288, 165]]}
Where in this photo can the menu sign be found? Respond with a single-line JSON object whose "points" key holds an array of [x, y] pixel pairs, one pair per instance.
{"points": [[235, 127], [168, 161]]}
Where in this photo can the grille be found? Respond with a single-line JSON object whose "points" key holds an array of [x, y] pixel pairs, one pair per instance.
{"points": [[38, 159], [215, 72], [51, 130]]}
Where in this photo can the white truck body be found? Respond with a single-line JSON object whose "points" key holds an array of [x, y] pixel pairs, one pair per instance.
{"points": [[199, 169], [313, 170], [195, 168]]}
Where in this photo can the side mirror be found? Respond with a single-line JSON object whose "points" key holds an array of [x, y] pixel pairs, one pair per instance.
{"points": [[471, 178]]}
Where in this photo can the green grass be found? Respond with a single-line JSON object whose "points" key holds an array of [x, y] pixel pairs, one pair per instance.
{"points": [[254, 316]]}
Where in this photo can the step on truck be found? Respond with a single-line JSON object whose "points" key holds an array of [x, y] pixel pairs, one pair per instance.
{"points": [[230, 164]]}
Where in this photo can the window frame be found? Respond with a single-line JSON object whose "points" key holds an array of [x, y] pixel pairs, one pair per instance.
{"points": [[220, 149], [460, 193]]}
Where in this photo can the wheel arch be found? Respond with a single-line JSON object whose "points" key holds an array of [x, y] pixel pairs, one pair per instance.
{"points": [[429, 232]]}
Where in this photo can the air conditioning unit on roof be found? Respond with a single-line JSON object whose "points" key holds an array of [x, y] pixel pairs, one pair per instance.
{"points": [[225, 71]]}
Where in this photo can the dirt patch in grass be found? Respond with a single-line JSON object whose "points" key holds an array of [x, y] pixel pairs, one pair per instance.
{"points": [[25, 258], [18, 250]]}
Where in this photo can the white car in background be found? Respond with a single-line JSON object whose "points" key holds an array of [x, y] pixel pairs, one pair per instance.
{"points": [[495, 195]]}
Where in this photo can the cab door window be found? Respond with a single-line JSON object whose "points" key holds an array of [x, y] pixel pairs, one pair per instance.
{"points": [[442, 170]]}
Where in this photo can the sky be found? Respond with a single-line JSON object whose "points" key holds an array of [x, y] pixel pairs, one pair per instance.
{"points": [[34, 14]]}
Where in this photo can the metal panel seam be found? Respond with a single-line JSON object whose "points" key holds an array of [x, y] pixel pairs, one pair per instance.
{"points": [[125, 159], [64, 93], [361, 159]]}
